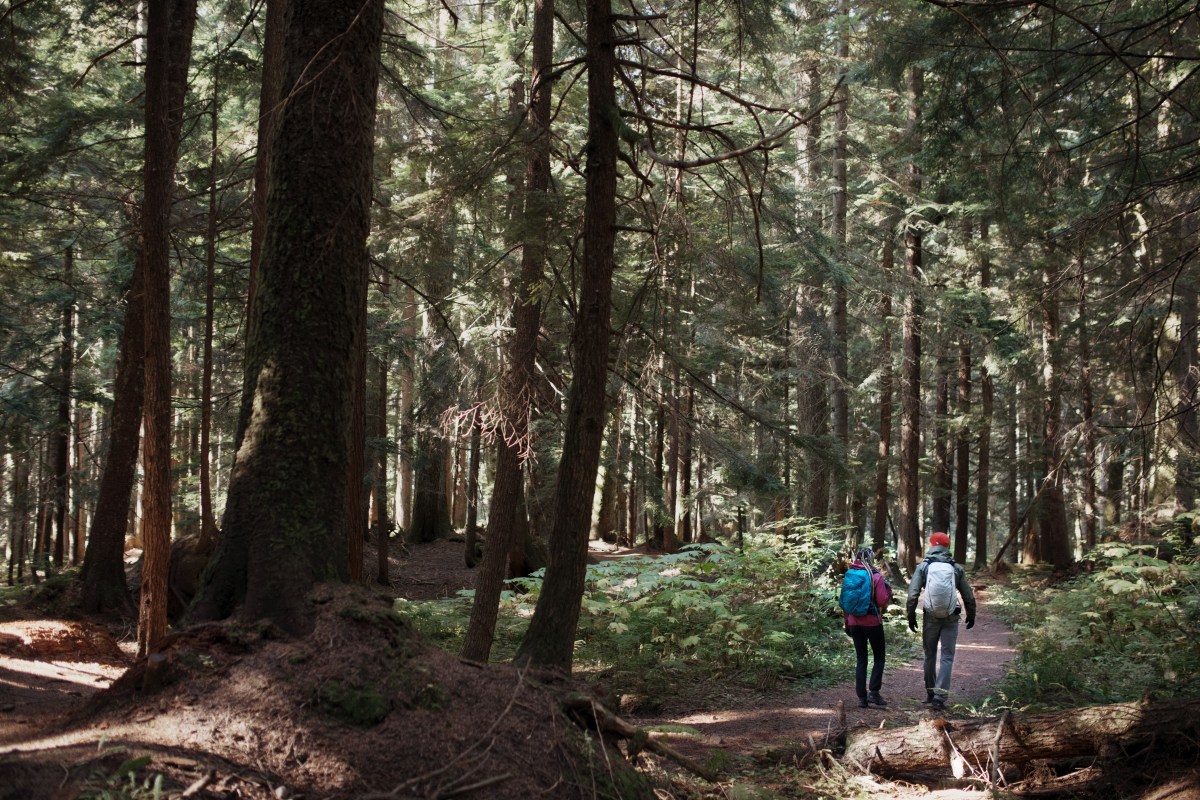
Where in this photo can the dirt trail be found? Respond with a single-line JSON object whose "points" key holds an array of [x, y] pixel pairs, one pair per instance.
{"points": [[781, 722]]}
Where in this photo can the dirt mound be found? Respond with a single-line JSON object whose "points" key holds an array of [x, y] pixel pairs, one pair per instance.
{"points": [[58, 640], [360, 707]]}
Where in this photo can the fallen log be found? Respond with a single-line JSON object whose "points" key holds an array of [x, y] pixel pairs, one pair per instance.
{"points": [[606, 721], [982, 745]]}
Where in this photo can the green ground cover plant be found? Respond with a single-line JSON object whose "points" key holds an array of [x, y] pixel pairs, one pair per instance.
{"points": [[1126, 627], [753, 617]]}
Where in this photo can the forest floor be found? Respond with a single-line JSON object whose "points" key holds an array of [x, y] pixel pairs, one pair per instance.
{"points": [[61, 735]]}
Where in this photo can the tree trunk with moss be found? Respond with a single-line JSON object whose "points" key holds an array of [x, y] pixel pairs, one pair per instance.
{"points": [[285, 520]]}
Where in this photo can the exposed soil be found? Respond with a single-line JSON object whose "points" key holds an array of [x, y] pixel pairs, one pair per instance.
{"points": [[781, 722], [361, 708]]}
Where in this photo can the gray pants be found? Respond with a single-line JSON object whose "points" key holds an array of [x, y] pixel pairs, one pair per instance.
{"points": [[936, 631]]}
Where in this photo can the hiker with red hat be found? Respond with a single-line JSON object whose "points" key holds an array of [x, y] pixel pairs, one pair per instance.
{"points": [[938, 583]]}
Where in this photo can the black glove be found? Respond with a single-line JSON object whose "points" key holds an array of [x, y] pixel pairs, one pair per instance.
{"points": [[912, 622], [970, 623]]}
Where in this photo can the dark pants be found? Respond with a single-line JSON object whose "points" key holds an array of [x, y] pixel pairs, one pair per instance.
{"points": [[862, 635]]}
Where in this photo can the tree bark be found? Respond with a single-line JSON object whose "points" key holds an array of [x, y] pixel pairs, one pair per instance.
{"points": [[910, 379], [962, 455], [380, 521], [1089, 416], [102, 577], [208, 523], [550, 639], [943, 473], [269, 98], [169, 29], [1053, 534], [886, 387], [1019, 738], [839, 315], [63, 427], [285, 520], [983, 494], [507, 512]]}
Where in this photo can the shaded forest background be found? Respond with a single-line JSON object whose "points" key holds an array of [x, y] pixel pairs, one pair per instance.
{"points": [[874, 269]]}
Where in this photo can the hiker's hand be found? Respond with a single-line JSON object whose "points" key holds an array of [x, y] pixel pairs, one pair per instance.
{"points": [[970, 623], [912, 622]]}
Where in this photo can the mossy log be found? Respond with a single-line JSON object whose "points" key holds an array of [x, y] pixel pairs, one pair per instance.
{"points": [[1019, 738]]}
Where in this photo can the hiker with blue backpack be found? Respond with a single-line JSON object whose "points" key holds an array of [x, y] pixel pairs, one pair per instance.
{"points": [[943, 582], [865, 594]]}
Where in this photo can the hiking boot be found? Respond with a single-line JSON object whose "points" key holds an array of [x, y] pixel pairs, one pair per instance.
{"points": [[876, 698], [928, 699], [937, 704], [862, 702]]}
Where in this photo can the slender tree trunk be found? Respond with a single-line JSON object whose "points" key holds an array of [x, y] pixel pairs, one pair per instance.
{"points": [[963, 455], [357, 497], [910, 380], [840, 396], [285, 522], [208, 522], [472, 522], [63, 428], [405, 441], [550, 639], [1053, 536], [1089, 416], [382, 522], [943, 473], [1187, 375], [168, 52], [887, 379], [103, 575], [983, 495], [506, 515], [684, 501]]}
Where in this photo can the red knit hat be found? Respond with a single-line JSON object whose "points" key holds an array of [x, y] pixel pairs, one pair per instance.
{"points": [[939, 538]]}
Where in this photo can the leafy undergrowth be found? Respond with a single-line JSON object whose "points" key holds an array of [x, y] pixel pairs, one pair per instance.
{"points": [[1126, 628], [685, 626]]}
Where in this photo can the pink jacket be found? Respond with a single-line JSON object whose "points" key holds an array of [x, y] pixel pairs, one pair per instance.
{"points": [[883, 596]]}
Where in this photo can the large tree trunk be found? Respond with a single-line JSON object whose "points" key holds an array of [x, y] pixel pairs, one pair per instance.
{"points": [[550, 639], [285, 520], [169, 29], [1020, 738]]}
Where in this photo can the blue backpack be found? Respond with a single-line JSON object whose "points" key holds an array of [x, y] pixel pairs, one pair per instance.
{"points": [[857, 596]]}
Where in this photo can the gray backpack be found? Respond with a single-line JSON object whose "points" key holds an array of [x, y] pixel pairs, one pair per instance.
{"points": [[941, 592]]}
